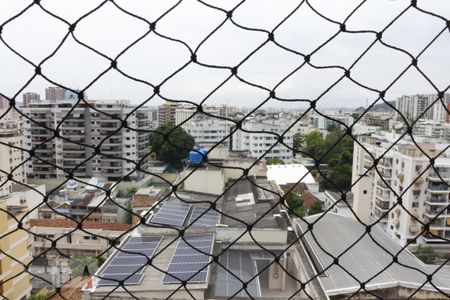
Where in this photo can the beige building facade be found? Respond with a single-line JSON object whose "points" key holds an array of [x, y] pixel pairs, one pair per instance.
{"points": [[14, 253]]}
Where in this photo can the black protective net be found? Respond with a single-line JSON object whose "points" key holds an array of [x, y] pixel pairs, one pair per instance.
{"points": [[53, 134]]}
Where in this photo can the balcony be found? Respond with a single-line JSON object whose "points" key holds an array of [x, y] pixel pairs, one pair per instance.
{"points": [[437, 199], [383, 185], [387, 174], [438, 188], [386, 163], [382, 205], [433, 176], [434, 211], [383, 195]]}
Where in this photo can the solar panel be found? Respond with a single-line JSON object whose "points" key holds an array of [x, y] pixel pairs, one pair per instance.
{"points": [[240, 264], [187, 261], [172, 214], [208, 219], [123, 264]]}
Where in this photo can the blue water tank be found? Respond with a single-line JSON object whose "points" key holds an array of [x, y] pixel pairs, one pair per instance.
{"points": [[197, 158]]}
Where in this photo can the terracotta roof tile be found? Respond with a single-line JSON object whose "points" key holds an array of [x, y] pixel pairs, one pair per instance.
{"points": [[86, 224]]}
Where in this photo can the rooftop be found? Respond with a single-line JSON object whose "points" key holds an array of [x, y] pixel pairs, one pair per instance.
{"points": [[335, 197], [334, 233], [249, 204], [290, 173]]}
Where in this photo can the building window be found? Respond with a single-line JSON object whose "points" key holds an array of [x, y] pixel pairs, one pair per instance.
{"points": [[415, 204], [365, 192]]}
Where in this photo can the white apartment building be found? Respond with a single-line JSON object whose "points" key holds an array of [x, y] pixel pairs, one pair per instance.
{"points": [[413, 106], [432, 129], [183, 113], [99, 125], [208, 130], [11, 155], [259, 137], [399, 173], [322, 123]]}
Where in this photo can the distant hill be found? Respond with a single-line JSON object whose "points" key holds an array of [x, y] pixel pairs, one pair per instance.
{"points": [[380, 106]]}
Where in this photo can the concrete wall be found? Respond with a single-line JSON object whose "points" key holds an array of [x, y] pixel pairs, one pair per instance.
{"points": [[262, 236], [259, 169], [208, 181]]}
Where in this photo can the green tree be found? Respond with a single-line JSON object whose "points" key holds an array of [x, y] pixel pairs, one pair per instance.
{"points": [[295, 203], [314, 143], [316, 207], [274, 161], [298, 141], [338, 150], [171, 144], [332, 126]]}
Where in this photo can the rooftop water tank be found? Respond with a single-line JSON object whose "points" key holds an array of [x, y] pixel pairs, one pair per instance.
{"points": [[196, 157]]}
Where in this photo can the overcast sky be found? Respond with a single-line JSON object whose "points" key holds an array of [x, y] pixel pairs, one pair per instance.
{"points": [[35, 35]]}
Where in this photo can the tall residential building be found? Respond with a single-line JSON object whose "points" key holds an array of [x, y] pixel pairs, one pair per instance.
{"points": [[15, 282], [98, 125], [413, 107], [167, 113], [29, 97], [54, 93], [403, 170], [11, 155], [260, 136]]}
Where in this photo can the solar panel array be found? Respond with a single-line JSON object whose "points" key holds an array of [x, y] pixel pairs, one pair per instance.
{"points": [[172, 213], [123, 264], [188, 259], [209, 219]]}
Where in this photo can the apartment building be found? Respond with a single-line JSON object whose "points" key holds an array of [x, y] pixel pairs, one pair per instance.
{"points": [[260, 136], [208, 130], [403, 170], [94, 240], [433, 129], [89, 202], [11, 153], [167, 113], [28, 97], [413, 107], [322, 123], [92, 141], [183, 113], [14, 252]]}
